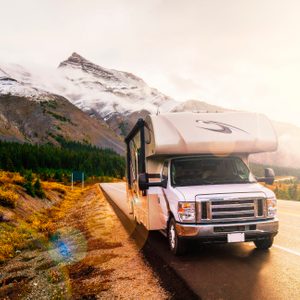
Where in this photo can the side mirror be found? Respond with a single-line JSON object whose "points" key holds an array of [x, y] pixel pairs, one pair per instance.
{"points": [[144, 183], [269, 176]]}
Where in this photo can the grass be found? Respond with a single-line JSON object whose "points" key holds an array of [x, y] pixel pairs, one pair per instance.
{"points": [[12, 238], [21, 232], [286, 191], [97, 179], [10, 177], [8, 198]]}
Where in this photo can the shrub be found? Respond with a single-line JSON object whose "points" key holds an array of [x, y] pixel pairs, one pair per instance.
{"points": [[28, 183], [29, 188], [58, 175], [38, 190], [8, 198], [41, 222]]}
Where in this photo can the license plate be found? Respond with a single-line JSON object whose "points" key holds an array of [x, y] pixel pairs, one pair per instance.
{"points": [[235, 237]]}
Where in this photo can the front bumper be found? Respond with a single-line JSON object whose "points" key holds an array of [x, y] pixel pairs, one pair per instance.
{"points": [[214, 233]]}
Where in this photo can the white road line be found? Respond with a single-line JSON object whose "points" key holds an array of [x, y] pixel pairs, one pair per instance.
{"points": [[287, 250]]}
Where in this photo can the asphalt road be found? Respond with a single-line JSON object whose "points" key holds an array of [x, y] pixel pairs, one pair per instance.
{"points": [[235, 271]]}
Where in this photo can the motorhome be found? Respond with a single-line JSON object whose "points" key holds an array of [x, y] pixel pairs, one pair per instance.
{"points": [[188, 176]]}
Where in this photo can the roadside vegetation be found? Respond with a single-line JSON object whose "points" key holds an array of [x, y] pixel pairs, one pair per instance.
{"points": [[69, 245], [27, 215], [34, 179], [287, 189], [286, 185], [30, 208]]}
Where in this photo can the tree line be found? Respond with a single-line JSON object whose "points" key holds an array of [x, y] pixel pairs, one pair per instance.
{"points": [[58, 161]]}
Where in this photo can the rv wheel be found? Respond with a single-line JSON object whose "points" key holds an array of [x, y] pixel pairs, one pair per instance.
{"points": [[264, 244], [177, 244]]}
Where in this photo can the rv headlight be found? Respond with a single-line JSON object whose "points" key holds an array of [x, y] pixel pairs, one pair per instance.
{"points": [[271, 207], [186, 211]]}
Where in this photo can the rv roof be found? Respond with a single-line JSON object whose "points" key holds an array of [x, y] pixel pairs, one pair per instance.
{"points": [[209, 133]]}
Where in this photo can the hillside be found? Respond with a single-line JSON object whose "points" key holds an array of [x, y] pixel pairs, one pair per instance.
{"points": [[43, 120]]}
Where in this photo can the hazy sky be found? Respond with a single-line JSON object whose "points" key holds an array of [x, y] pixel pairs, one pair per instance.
{"points": [[242, 54]]}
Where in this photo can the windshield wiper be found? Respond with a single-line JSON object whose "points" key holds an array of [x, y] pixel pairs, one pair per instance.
{"points": [[233, 182]]}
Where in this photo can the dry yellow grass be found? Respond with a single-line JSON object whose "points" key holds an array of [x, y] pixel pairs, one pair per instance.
{"points": [[41, 225], [54, 186], [10, 177], [45, 222], [8, 198], [12, 238]]}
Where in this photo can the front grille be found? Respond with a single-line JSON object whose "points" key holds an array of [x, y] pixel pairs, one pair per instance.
{"points": [[204, 210], [233, 216], [235, 209], [260, 207], [234, 228]]}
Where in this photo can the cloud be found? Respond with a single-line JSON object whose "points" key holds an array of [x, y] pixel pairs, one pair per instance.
{"points": [[243, 54]]}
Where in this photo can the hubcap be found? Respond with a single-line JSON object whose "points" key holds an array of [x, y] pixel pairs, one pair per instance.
{"points": [[172, 236]]}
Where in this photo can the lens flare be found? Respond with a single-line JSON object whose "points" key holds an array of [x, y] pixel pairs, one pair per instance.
{"points": [[68, 245]]}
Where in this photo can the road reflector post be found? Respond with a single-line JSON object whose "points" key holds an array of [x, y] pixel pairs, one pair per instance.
{"points": [[77, 176]]}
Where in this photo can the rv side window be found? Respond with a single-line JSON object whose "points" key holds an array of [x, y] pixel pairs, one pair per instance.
{"points": [[132, 164], [164, 172]]}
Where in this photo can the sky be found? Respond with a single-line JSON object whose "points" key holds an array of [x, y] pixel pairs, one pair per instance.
{"points": [[240, 54]]}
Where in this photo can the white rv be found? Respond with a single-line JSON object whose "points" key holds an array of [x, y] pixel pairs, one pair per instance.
{"points": [[188, 176]]}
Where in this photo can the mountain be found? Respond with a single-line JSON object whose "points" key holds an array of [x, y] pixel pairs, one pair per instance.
{"points": [[11, 86], [33, 115], [110, 101], [105, 91], [114, 96], [198, 106]]}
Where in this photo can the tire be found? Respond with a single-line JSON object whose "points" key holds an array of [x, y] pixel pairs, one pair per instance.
{"points": [[264, 244], [176, 244]]}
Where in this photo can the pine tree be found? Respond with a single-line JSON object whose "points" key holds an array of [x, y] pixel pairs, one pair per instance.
{"points": [[38, 190], [28, 183]]}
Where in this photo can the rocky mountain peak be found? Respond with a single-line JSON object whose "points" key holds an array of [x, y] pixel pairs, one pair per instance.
{"points": [[74, 59]]}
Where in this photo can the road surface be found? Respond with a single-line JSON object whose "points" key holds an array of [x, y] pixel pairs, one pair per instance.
{"points": [[235, 271]]}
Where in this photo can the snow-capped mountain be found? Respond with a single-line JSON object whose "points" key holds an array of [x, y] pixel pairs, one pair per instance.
{"points": [[109, 95], [29, 112], [104, 91], [113, 97], [11, 86]]}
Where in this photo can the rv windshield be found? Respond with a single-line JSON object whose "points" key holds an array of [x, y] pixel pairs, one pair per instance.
{"points": [[209, 170]]}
